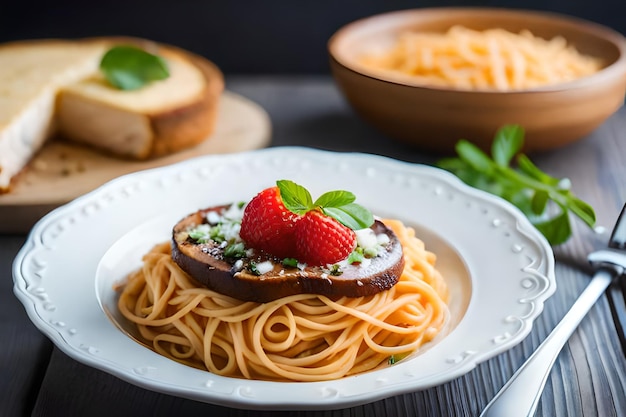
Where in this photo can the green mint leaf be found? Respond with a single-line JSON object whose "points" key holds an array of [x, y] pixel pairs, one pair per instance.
{"points": [[557, 230], [583, 210], [474, 156], [295, 197], [524, 185], [129, 68], [467, 174], [337, 204], [507, 143], [335, 199], [539, 202], [453, 164], [351, 215], [526, 166]]}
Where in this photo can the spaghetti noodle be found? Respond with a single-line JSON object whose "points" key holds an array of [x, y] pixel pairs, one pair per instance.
{"points": [[302, 337]]}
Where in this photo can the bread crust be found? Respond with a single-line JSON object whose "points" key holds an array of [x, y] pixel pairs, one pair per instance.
{"points": [[175, 129], [191, 125], [204, 263], [34, 71]]}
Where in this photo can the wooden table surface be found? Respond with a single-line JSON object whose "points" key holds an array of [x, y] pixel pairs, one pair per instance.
{"points": [[589, 377]]}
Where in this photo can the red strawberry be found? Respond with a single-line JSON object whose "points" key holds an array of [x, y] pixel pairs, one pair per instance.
{"points": [[267, 225], [322, 240]]}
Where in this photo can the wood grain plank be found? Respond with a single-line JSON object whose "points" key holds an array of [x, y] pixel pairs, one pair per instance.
{"points": [[589, 377]]}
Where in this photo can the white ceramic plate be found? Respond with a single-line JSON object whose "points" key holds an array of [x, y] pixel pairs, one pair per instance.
{"points": [[499, 268]]}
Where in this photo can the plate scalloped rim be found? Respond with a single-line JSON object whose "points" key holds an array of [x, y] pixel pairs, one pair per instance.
{"points": [[506, 296]]}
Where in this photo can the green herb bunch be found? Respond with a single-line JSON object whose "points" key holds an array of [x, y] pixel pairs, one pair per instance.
{"points": [[510, 174]]}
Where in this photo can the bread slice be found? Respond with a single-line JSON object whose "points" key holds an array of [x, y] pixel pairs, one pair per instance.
{"points": [[55, 87], [234, 277], [31, 74], [160, 119]]}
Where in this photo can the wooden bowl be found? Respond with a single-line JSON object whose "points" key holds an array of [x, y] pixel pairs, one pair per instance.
{"points": [[434, 118]]}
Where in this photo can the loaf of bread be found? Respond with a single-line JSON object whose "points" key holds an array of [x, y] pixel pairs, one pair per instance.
{"points": [[55, 87]]}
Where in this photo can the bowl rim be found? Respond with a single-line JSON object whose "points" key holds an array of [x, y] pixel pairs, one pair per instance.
{"points": [[615, 69]]}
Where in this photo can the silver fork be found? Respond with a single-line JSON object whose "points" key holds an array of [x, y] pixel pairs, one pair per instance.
{"points": [[520, 395]]}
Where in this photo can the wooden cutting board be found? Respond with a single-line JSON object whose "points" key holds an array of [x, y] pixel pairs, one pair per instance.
{"points": [[63, 171]]}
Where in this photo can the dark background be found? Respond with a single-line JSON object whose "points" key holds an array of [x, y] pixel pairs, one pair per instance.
{"points": [[245, 36]]}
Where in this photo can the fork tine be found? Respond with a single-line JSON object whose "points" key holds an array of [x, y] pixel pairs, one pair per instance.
{"points": [[618, 235], [616, 295]]}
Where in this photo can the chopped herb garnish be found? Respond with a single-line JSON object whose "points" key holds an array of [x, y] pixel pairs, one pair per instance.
{"points": [[220, 227], [335, 270], [253, 268], [216, 234], [290, 262], [370, 252], [397, 358], [357, 256], [235, 250], [200, 234]]}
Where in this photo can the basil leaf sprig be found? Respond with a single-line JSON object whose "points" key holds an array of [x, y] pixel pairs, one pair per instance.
{"points": [[338, 204], [128, 67], [545, 200]]}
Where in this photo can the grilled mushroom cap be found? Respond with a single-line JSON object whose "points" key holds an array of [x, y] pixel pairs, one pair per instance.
{"points": [[206, 263]]}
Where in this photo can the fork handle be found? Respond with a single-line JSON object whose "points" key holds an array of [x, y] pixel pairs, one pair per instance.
{"points": [[519, 397]]}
